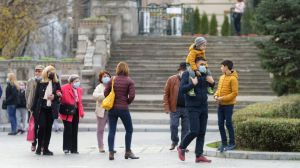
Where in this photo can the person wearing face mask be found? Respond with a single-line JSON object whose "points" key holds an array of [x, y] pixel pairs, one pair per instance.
{"points": [[71, 96], [197, 107], [174, 105], [21, 109], [101, 113], [45, 103], [29, 96]]}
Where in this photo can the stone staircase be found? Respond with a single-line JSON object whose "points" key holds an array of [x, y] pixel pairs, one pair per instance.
{"points": [[153, 59]]}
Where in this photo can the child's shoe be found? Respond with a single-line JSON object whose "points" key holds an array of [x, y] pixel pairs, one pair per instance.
{"points": [[191, 92], [210, 91]]}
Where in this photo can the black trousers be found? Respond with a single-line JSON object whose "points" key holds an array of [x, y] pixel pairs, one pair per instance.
{"points": [[45, 122], [71, 134]]}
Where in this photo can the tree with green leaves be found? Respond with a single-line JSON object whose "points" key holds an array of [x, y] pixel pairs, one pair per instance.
{"points": [[204, 26], [280, 54], [213, 27], [247, 22], [197, 21], [225, 30], [188, 22]]}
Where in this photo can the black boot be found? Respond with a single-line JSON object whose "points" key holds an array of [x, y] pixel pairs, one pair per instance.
{"points": [[47, 152], [130, 155]]}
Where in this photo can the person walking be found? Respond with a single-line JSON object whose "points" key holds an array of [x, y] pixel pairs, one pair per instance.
{"points": [[29, 96], [21, 109], [124, 95], [45, 109], [101, 113], [197, 108], [174, 104], [11, 96], [71, 99]]}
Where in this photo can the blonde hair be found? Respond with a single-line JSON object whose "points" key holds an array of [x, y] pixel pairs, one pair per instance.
{"points": [[13, 80], [45, 72], [122, 68]]}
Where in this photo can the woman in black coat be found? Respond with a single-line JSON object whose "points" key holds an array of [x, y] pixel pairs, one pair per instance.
{"points": [[45, 108]]}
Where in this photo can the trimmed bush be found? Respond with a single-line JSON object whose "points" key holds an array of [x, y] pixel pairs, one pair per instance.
{"points": [[204, 26], [225, 31], [197, 21], [213, 27], [273, 126]]}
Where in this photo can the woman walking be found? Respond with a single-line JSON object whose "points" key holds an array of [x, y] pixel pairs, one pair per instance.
{"points": [[101, 114], [11, 95], [45, 109], [124, 95], [71, 100]]}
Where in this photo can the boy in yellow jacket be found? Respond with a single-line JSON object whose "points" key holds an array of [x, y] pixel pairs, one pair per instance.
{"points": [[226, 97], [197, 49]]}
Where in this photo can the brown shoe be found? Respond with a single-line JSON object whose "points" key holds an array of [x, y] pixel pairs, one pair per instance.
{"points": [[173, 146], [111, 156], [130, 155]]}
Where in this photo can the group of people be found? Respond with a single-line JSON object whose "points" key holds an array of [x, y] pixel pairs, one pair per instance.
{"points": [[46, 100], [185, 99]]}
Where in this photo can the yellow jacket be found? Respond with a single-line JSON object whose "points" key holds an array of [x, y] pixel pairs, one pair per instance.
{"points": [[193, 54], [228, 88]]}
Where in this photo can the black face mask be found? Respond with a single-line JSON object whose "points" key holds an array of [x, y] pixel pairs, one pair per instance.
{"points": [[51, 76]]}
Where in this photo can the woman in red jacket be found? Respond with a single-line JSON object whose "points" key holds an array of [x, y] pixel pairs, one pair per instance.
{"points": [[71, 96]]}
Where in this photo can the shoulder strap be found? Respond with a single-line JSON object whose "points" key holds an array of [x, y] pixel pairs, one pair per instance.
{"points": [[112, 84]]}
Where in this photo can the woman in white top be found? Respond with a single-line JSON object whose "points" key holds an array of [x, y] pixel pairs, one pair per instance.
{"points": [[104, 78], [239, 8]]}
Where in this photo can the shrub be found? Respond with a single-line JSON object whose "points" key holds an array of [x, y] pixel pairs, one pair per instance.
{"points": [[225, 30], [197, 21], [272, 126], [25, 58], [213, 27], [204, 26]]}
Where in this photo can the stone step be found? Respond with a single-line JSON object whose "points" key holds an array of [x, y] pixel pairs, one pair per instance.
{"points": [[167, 51], [211, 47]]}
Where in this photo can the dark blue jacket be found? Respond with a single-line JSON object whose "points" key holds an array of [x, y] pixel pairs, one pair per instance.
{"points": [[11, 94], [0, 91], [200, 89]]}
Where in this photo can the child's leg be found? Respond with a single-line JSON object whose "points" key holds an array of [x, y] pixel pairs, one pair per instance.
{"points": [[210, 79], [191, 74]]}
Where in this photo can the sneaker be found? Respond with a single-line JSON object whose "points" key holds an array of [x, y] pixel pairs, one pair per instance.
{"points": [[13, 133], [230, 147], [191, 92], [202, 159], [181, 153], [222, 148], [210, 91]]}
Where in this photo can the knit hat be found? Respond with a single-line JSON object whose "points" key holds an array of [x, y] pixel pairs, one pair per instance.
{"points": [[199, 41]]}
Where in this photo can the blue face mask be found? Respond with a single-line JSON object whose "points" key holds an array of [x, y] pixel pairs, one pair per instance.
{"points": [[76, 85], [202, 69], [105, 80]]}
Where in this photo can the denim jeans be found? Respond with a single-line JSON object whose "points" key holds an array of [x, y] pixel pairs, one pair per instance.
{"points": [[225, 114], [198, 122], [113, 116], [237, 22], [11, 110], [180, 113]]}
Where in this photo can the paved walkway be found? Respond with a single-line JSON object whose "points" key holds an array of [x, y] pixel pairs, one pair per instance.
{"points": [[151, 147]]}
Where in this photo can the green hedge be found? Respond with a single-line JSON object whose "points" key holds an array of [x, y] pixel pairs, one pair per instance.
{"points": [[273, 126]]}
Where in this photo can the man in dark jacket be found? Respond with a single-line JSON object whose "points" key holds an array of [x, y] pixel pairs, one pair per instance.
{"points": [[0, 91], [197, 108]]}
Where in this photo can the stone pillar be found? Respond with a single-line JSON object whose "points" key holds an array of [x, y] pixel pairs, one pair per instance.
{"points": [[122, 14], [94, 43]]}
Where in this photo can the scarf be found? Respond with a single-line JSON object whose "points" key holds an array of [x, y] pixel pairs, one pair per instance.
{"points": [[48, 92]]}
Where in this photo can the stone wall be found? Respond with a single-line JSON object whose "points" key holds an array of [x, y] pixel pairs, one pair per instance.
{"points": [[122, 15]]}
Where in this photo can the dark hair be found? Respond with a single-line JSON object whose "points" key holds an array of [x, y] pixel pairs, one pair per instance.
{"points": [[240, 0], [200, 59], [101, 74], [228, 63]]}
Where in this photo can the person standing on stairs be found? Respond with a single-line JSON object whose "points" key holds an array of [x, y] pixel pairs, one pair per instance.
{"points": [[124, 95], [101, 113], [197, 107], [238, 11], [174, 104]]}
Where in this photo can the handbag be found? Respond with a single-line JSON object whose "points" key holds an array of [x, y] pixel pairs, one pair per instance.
{"points": [[108, 102], [66, 109], [4, 105], [30, 132]]}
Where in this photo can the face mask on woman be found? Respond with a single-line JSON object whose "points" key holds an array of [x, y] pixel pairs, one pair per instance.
{"points": [[76, 85], [202, 69], [105, 80], [51, 76], [7, 81], [22, 87]]}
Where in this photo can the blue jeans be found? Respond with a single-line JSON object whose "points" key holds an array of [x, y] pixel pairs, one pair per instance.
{"points": [[237, 22], [198, 123], [182, 113], [11, 110], [113, 116], [225, 114]]}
